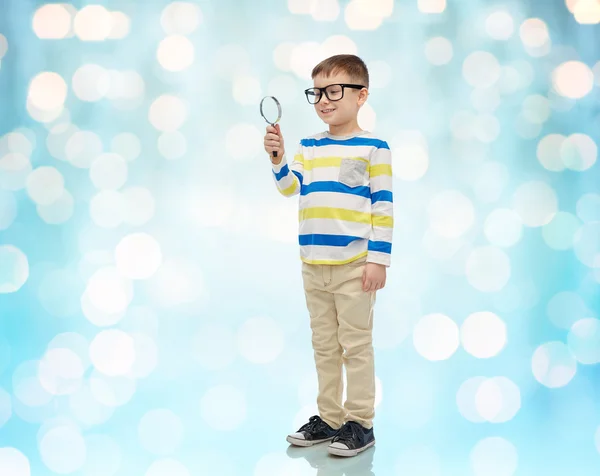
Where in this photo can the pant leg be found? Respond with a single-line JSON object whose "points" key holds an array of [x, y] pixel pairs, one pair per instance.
{"points": [[327, 350], [355, 335]]}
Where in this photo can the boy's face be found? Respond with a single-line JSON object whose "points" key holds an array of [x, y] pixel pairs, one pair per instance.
{"points": [[345, 110]]}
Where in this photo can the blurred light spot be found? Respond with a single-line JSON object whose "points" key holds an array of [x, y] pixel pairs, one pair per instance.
{"points": [[282, 55], [436, 337], [304, 57], [90, 82], [139, 205], [588, 207], [168, 113], [578, 152], [565, 308], [367, 118], [536, 203], [107, 209], [553, 364], [339, 44], [367, 15], [584, 340], [463, 124], [410, 161], [487, 128], [483, 334], [47, 91], [243, 141], [5, 409], [109, 291], [86, 409], [17, 142], [126, 89], [112, 352], [8, 209], [223, 408], [108, 172], [587, 12], [45, 185], [63, 450], [439, 247], [93, 23], [60, 371], [503, 227], [488, 269], [494, 456], [175, 53], [284, 88], [103, 456], [380, 74], [485, 100], [180, 18], [59, 211], [14, 270], [559, 234], [146, 356], [549, 152], [168, 466], [138, 256], [82, 148], [160, 432], [536, 109], [534, 33], [172, 145], [52, 22], [465, 399], [13, 462], [120, 25], [587, 244], [481, 69], [214, 346], [58, 138], [490, 180], [127, 145], [141, 319], [112, 391], [74, 342], [432, 6], [418, 460], [573, 79], [325, 10], [438, 51], [500, 25], [3, 45], [99, 317], [246, 90], [260, 340], [231, 60], [177, 283], [451, 214], [26, 385], [498, 400]]}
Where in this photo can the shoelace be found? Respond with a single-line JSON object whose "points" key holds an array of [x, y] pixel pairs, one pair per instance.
{"points": [[313, 424], [348, 432]]}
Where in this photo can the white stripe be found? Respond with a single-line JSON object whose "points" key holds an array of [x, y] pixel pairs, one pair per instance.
{"points": [[333, 253], [327, 226], [336, 200], [378, 257]]}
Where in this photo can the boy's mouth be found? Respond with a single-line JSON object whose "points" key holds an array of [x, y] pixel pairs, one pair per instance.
{"points": [[327, 111]]}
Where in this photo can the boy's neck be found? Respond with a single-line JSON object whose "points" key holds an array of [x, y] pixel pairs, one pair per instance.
{"points": [[345, 129]]}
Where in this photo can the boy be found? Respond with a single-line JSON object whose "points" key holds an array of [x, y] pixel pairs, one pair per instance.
{"points": [[344, 178]]}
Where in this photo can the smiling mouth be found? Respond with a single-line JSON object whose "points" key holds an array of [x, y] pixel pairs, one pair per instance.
{"points": [[327, 111]]}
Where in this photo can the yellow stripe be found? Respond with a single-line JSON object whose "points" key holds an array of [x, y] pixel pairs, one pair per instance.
{"points": [[336, 214], [384, 222], [323, 261], [310, 164], [290, 190], [299, 158], [382, 169]]}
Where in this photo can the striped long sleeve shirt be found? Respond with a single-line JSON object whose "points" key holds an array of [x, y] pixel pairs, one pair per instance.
{"points": [[346, 197]]}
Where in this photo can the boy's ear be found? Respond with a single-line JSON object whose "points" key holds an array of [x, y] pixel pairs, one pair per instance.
{"points": [[362, 96]]}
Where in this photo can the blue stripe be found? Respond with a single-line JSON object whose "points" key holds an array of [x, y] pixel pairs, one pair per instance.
{"points": [[335, 187], [381, 246], [327, 240], [282, 173], [380, 144], [382, 196], [299, 175]]}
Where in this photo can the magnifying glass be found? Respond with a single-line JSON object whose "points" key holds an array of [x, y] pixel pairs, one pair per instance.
{"points": [[270, 110]]}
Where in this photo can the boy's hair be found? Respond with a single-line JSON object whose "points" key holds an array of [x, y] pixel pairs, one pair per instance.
{"points": [[352, 65]]}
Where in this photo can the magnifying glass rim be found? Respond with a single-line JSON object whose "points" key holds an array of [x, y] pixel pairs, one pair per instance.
{"points": [[278, 109]]}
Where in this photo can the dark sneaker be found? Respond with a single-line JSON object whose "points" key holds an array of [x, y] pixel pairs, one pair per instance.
{"points": [[352, 439], [314, 432]]}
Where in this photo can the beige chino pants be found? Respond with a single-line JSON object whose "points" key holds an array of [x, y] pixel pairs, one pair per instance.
{"points": [[341, 319]]}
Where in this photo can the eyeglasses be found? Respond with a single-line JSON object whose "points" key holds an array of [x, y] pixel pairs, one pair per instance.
{"points": [[334, 92]]}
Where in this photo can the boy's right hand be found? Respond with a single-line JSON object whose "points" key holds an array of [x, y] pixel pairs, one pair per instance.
{"points": [[274, 142]]}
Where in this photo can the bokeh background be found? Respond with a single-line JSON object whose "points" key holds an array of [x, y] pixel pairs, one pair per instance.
{"points": [[152, 319]]}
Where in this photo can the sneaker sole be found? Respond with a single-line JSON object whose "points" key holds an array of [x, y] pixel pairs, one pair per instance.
{"points": [[305, 443], [347, 453]]}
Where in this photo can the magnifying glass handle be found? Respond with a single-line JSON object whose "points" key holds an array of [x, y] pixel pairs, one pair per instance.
{"points": [[274, 153]]}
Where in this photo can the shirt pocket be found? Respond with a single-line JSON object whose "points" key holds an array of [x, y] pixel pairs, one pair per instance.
{"points": [[353, 173]]}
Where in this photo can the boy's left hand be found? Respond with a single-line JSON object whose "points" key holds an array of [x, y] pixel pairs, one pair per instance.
{"points": [[373, 277]]}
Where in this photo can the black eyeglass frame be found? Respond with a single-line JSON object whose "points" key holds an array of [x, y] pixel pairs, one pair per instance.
{"points": [[324, 91]]}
